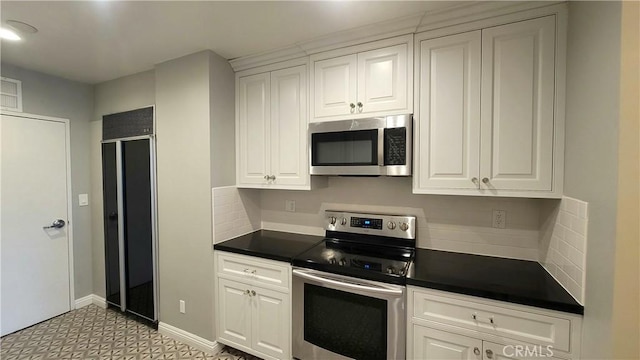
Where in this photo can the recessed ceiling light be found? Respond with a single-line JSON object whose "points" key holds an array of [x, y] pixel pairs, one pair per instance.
{"points": [[21, 27], [9, 34]]}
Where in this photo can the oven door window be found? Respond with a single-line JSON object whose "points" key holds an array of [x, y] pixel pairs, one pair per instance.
{"points": [[348, 324], [347, 148]]}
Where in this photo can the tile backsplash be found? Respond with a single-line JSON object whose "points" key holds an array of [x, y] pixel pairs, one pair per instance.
{"points": [[563, 246], [235, 212]]}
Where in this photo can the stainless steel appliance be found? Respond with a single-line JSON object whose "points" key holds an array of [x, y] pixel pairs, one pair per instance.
{"points": [[365, 147], [348, 291]]}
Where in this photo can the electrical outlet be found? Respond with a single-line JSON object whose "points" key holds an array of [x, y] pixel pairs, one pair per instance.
{"points": [[182, 307], [290, 205], [499, 219]]}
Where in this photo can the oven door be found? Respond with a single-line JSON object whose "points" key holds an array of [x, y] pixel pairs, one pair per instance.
{"points": [[339, 317]]}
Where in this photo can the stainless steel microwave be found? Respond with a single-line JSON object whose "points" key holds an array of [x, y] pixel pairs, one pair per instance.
{"points": [[362, 147]]}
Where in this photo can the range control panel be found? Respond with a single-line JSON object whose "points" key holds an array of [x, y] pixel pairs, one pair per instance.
{"points": [[399, 226]]}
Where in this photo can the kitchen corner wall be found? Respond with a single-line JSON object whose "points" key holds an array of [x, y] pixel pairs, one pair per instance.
{"points": [[194, 106], [452, 223]]}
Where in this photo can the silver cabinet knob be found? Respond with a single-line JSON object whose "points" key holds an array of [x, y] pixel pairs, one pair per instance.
{"points": [[391, 225], [253, 293], [476, 351], [266, 177], [404, 226], [353, 107], [359, 106], [485, 180], [57, 224], [489, 354], [272, 177], [247, 292], [474, 180]]}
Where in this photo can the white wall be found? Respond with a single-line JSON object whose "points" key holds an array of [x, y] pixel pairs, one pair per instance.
{"points": [[453, 223], [591, 159], [53, 96], [126, 93]]}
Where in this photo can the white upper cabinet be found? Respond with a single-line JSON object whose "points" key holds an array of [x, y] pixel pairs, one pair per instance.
{"points": [[367, 80], [335, 86], [487, 120], [254, 112], [272, 129], [449, 130], [518, 75], [289, 160]]}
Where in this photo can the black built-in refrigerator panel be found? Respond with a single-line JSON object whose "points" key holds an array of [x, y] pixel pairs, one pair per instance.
{"points": [[129, 262]]}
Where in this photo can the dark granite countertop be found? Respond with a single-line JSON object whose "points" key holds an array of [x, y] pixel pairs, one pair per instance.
{"points": [[516, 281], [274, 245]]}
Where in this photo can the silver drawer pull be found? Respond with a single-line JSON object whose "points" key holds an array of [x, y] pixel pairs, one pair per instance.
{"points": [[477, 318]]}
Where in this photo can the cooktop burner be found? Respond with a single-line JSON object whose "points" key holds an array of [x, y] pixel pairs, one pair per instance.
{"points": [[369, 246]]}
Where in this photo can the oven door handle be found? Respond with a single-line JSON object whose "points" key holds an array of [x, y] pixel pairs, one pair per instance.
{"points": [[323, 280]]}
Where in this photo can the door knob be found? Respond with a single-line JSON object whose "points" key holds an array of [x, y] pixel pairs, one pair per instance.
{"points": [[58, 224]]}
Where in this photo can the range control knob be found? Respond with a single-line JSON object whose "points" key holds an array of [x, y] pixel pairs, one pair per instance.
{"points": [[404, 226], [343, 222], [332, 220], [332, 261], [392, 270], [342, 262], [391, 225]]}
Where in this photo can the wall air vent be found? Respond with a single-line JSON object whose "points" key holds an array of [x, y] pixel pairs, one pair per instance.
{"points": [[11, 94]]}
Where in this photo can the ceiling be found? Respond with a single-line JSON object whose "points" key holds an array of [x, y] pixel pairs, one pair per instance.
{"points": [[96, 41]]}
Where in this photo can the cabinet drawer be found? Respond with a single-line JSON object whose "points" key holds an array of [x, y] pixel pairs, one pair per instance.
{"points": [[254, 270], [533, 328]]}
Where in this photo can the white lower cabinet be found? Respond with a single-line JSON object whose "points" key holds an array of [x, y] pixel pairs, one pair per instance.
{"points": [[444, 325], [253, 306]]}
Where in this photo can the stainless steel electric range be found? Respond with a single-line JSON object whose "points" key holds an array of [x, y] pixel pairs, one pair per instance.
{"points": [[348, 290]]}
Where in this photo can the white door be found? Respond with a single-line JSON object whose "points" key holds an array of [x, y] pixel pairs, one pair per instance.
{"points": [[35, 281], [234, 312], [430, 344], [448, 143], [271, 323], [382, 80], [289, 159], [253, 125], [335, 87], [518, 74]]}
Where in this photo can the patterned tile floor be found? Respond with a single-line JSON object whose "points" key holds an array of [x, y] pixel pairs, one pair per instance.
{"points": [[93, 333]]}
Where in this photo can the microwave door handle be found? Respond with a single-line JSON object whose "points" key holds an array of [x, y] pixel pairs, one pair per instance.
{"points": [[323, 280], [381, 147]]}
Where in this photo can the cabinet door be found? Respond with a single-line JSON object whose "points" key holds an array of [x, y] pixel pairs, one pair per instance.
{"points": [[518, 65], [234, 312], [254, 111], [430, 344], [494, 351], [289, 159], [448, 143], [271, 323], [382, 80], [335, 86]]}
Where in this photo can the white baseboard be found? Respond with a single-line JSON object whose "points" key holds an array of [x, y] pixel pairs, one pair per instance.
{"points": [[209, 347], [91, 299]]}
